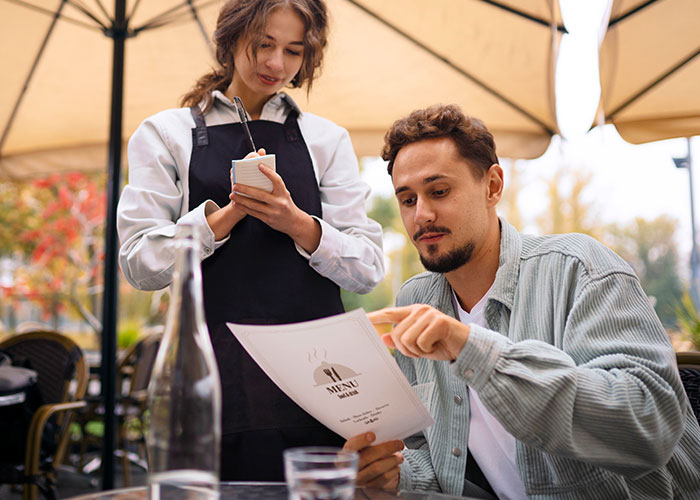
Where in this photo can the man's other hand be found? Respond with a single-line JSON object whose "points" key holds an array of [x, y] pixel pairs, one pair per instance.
{"points": [[379, 464]]}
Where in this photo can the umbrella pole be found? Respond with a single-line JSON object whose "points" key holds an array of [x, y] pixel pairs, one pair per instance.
{"points": [[687, 162], [109, 306]]}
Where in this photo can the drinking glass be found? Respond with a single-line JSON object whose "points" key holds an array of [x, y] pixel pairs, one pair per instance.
{"points": [[320, 473]]}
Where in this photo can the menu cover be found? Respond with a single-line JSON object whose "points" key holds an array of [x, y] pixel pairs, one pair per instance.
{"points": [[340, 372]]}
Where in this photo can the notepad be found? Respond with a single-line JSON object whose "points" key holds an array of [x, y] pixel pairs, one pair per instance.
{"points": [[246, 172]]}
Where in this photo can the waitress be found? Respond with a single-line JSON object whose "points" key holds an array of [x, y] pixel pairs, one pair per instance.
{"points": [[269, 258]]}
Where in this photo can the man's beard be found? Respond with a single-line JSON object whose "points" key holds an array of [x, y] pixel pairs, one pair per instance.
{"points": [[449, 262]]}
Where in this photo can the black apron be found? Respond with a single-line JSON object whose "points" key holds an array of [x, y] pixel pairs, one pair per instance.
{"points": [[258, 277]]}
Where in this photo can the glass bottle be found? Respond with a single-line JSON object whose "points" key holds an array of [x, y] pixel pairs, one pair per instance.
{"points": [[184, 393]]}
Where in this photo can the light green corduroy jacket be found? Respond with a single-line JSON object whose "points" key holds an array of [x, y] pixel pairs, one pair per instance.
{"points": [[574, 364]]}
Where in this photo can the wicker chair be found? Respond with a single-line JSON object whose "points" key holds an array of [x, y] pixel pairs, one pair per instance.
{"points": [[62, 380], [134, 373], [689, 368]]}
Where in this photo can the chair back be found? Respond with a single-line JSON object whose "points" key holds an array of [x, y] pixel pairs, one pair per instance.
{"points": [[59, 362], [62, 379], [137, 364], [689, 369]]}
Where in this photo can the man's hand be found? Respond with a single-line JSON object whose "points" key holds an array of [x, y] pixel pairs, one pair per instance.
{"points": [[422, 331], [379, 464]]}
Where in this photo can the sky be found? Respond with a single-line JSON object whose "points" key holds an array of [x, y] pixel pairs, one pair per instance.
{"points": [[628, 180]]}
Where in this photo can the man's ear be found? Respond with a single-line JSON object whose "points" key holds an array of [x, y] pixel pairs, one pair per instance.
{"points": [[494, 182]]}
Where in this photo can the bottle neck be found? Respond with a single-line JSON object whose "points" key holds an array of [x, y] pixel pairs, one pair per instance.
{"points": [[186, 310]]}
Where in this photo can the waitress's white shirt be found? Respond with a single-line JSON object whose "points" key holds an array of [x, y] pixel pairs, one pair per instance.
{"points": [[156, 198]]}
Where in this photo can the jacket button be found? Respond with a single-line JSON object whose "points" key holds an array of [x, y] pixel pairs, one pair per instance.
{"points": [[207, 250], [468, 373], [458, 399], [456, 451]]}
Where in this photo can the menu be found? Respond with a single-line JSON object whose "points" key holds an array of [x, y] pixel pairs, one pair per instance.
{"points": [[339, 371]]}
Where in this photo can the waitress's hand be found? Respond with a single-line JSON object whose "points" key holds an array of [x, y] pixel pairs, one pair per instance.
{"points": [[223, 220], [277, 210]]}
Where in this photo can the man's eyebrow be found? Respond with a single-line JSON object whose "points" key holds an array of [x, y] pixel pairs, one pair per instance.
{"points": [[433, 178], [301, 42], [425, 181]]}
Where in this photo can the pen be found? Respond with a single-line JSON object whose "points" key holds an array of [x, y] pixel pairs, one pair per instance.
{"points": [[244, 120]]}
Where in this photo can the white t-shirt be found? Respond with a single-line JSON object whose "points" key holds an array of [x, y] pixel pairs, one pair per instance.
{"points": [[490, 444]]}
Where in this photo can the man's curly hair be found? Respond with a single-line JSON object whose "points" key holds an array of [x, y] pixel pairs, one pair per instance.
{"points": [[473, 140]]}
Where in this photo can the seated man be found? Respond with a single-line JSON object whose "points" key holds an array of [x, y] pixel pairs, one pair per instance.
{"points": [[541, 359]]}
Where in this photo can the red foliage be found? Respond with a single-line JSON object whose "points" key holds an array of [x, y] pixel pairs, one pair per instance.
{"points": [[71, 209]]}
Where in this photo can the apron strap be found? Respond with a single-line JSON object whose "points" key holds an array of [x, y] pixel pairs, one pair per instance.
{"points": [[291, 131], [201, 135]]}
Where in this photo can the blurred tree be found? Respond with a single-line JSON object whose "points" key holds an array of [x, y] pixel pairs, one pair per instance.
{"points": [[513, 184], [649, 247], [53, 230], [15, 213], [581, 218], [141, 309], [384, 210], [552, 221], [689, 319], [567, 212]]}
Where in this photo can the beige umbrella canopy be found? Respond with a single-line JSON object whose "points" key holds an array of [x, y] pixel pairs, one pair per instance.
{"points": [[650, 69], [62, 109], [385, 58], [62, 120], [650, 81], [495, 59]]}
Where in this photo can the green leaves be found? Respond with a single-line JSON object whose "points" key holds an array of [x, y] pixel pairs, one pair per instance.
{"points": [[689, 319]]}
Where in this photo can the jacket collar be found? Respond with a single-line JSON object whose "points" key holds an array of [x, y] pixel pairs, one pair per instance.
{"points": [[508, 271], [504, 286], [279, 100]]}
